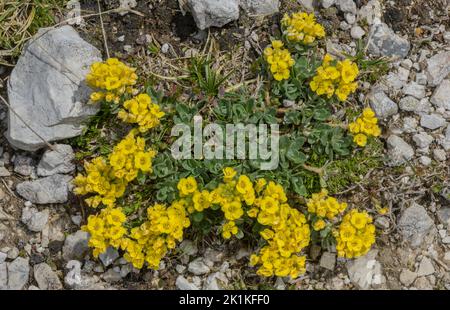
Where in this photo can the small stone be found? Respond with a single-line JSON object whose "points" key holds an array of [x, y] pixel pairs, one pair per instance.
{"points": [[125, 270], [441, 98], [3, 276], [2, 257], [432, 121], [426, 267], [357, 32], [382, 105], [23, 165], [439, 154], [371, 12], [328, 3], [52, 189], [198, 267], [384, 42], [422, 283], [213, 255], [76, 219], [188, 247], [447, 257], [76, 246], [112, 276], [415, 224], [443, 213], [406, 63], [446, 240], [46, 277], [407, 277], [344, 25], [437, 68], [382, 222], [422, 139], [421, 78], [165, 48], [18, 273], [347, 6], [215, 281], [403, 74], [447, 36], [183, 284], [180, 268], [365, 272], [328, 260], [409, 124], [4, 172], [411, 104], [34, 219], [350, 18], [415, 90], [212, 13], [425, 160], [57, 161], [398, 151], [109, 256], [261, 7], [13, 253]]}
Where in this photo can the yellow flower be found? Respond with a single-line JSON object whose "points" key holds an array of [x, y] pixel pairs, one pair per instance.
{"points": [[360, 139], [228, 174], [229, 229], [111, 78], [143, 161], [187, 186], [319, 225], [232, 210], [335, 78], [302, 27], [279, 60]]}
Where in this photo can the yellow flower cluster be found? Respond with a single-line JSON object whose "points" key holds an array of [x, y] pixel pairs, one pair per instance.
{"points": [[335, 78], [356, 234], [129, 157], [364, 126], [151, 241], [279, 59], [105, 229], [142, 111], [286, 232], [229, 196], [112, 79], [108, 179], [323, 207], [302, 27]]}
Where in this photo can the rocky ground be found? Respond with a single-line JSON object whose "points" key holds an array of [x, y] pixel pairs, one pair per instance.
{"points": [[41, 244]]}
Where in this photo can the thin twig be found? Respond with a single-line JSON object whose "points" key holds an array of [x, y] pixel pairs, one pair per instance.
{"points": [[26, 124], [105, 41]]}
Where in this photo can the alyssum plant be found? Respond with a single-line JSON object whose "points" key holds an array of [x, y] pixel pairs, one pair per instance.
{"points": [[147, 201]]}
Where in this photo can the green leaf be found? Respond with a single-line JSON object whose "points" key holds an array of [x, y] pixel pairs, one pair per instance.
{"points": [[198, 217]]}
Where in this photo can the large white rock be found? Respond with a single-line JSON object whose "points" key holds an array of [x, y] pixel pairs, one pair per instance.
{"points": [[441, 97], [384, 42], [438, 67], [213, 13], [52, 189], [261, 7], [47, 89]]}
